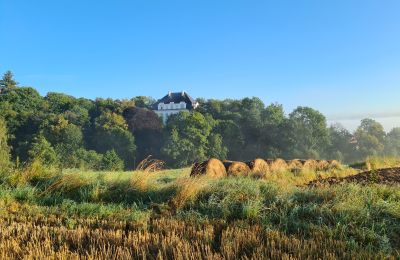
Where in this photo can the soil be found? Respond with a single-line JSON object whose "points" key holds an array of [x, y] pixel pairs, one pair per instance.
{"points": [[381, 176]]}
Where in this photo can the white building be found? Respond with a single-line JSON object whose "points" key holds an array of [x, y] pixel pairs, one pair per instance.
{"points": [[173, 103]]}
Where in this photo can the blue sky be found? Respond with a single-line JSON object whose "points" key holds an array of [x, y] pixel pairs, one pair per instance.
{"points": [[341, 57]]}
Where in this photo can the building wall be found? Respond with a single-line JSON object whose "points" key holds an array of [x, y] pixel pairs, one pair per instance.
{"points": [[166, 110]]}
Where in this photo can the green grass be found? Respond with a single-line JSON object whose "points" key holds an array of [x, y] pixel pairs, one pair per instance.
{"points": [[365, 217]]}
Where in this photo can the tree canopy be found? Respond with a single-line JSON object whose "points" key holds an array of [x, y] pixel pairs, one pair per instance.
{"points": [[105, 134]]}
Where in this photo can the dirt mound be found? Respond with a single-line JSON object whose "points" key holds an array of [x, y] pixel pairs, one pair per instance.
{"points": [[213, 168], [258, 165], [236, 168], [382, 176]]}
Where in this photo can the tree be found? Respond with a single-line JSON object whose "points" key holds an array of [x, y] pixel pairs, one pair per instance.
{"points": [[147, 128], [41, 150], [341, 145], [112, 162], [370, 137], [111, 133], [4, 148], [143, 102], [392, 142], [188, 136], [66, 138], [8, 82], [272, 138], [309, 134]]}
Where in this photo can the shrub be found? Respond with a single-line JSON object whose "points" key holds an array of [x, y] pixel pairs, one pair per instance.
{"points": [[112, 162]]}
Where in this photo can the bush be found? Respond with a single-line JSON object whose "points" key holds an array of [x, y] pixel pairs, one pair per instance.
{"points": [[112, 162]]}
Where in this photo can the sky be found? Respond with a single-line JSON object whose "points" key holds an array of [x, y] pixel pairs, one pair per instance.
{"points": [[340, 57]]}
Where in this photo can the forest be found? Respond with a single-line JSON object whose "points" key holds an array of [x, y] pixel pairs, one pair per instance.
{"points": [[59, 130]]}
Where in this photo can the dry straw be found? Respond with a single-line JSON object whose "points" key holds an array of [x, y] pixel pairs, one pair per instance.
{"points": [[213, 168], [151, 165], [234, 168], [259, 167], [295, 165], [278, 165], [322, 165], [310, 164]]}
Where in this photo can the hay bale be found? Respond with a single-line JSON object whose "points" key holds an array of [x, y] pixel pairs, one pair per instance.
{"points": [[302, 161], [234, 168], [322, 165], [294, 165], [258, 165], [334, 164], [310, 164], [278, 165], [213, 168]]}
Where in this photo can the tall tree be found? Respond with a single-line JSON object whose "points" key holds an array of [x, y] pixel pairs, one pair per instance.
{"points": [[370, 137], [147, 128], [341, 144], [188, 137], [7, 82], [392, 142], [309, 133]]}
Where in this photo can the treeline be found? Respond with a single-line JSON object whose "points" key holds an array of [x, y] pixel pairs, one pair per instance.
{"points": [[106, 134]]}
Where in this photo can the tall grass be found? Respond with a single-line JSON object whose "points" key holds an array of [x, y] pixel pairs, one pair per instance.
{"points": [[169, 215]]}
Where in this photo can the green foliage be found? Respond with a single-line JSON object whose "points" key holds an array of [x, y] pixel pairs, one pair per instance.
{"points": [[392, 142], [5, 162], [111, 161], [111, 133], [309, 133], [42, 151], [234, 129], [84, 159], [370, 137], [188, 139], [7, 82]]}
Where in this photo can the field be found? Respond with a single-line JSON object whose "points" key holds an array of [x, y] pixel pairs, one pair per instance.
{"points": [[167, 215]]}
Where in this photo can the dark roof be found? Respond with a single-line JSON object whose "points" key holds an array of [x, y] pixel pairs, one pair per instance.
{"points": [[176, 97]]}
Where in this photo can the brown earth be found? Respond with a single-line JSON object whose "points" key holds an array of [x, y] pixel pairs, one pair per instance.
{"points": [[381, 176]]}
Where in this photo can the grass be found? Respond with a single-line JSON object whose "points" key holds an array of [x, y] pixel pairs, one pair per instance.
{"points": [[169, 215]]}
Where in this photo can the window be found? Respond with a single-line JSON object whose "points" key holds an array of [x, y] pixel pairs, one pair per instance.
{"points": [[182, 105]]}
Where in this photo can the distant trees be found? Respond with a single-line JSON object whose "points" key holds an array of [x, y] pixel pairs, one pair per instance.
{"points": [[147, 128], [188, 139], [309, 136], [4, 148], [107, 134], [370, 137], [7, 82], [392, 142]]}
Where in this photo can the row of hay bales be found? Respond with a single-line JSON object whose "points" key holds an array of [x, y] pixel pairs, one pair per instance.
{"points": [[216, 168]]}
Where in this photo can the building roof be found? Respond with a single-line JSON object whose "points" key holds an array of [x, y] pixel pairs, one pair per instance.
{"points": [[176, 97]]}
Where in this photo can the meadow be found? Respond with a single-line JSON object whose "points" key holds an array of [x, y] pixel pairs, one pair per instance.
{"points": [[74, 214]]}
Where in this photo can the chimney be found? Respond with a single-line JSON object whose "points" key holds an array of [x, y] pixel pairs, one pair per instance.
{"points": [[183, 93], [169, 93]]}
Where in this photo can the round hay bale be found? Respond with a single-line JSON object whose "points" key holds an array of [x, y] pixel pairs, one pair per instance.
{"points": [[213, 168], [278, 165], [258, 165], [302, 161], [334, 164], [310, 164], [269, 161], [234, 168], [322, 165], [295, 165]]}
